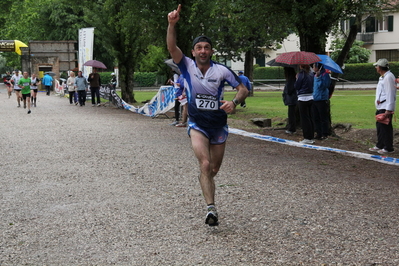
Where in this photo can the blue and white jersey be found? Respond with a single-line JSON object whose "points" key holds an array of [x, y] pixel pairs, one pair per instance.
{"points": [[204, 93]]}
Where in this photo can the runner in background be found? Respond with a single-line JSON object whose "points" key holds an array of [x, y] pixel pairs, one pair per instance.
{"points": [[6, 80], [14, 81], [35, 81], [24, 83]]}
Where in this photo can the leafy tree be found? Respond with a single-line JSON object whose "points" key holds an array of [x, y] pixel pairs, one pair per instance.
{"points": [[357, 53], [248, 26], [152, 60]]}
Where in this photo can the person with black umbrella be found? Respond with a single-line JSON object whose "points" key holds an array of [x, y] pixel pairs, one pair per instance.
{"points": [[95, 83]]}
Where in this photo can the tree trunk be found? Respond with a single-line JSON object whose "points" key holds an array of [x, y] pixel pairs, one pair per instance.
{"points": [[315, 43], [126, 79], [249, 67]]}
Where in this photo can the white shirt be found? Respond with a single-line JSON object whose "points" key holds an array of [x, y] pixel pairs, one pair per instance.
{"points": [[385, 94], [16, 79]]}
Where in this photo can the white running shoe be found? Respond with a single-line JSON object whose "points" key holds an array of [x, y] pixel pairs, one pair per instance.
{"points": [[212, 216], [307, 141]]}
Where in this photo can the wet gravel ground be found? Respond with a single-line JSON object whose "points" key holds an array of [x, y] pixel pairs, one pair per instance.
{"points": [[103, 186]]}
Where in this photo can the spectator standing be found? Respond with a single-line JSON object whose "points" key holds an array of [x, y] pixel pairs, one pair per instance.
{"points": [[304, 88], [71, 88], [15, 81], [182, 99], [95, 83], [207, 128], [81, 85], [176, 86], [385, 103], [47, 81], [290, 98], [321, 85], [24, 83], [113, 81], [35, 81], [247, 83]]}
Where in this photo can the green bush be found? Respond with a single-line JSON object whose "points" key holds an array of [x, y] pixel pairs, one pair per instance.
{"points": [[366, 71], [145, 79], [269, 73], [105, 77], [352, 72]]}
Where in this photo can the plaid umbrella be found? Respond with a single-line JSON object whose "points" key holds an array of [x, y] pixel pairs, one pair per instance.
{"points": [[274, 63], [298, 58]]}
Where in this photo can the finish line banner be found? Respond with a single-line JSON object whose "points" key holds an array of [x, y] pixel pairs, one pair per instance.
{"points": [[162, 102]]}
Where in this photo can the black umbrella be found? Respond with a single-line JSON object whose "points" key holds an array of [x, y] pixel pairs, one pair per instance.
{"points": [[172, 65], [50, 73]]}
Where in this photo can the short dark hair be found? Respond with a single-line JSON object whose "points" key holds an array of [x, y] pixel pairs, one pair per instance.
{"points": [[202, 38]]}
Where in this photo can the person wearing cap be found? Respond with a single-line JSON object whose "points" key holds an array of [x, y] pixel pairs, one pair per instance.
{"points": [[385, 103], [207, 126], [113, 81], [321, 84], [15, 80], [247, 83]]}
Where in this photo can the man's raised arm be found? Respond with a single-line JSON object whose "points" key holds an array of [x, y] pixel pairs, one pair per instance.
{"points": [[174, 50]]}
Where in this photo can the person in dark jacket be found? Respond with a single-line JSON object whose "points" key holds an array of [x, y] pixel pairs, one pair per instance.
{"points": [[290, 98], [321, 86], [95, 83], [304, 88]]}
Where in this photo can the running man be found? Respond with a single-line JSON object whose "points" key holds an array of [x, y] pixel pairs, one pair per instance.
{"points": [[24, 84], [15, 80], [207, 127], [7, 82], [35, 81]]}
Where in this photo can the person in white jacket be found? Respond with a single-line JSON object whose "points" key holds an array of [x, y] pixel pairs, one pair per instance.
{"points": [[385, 103], [71, 88]]}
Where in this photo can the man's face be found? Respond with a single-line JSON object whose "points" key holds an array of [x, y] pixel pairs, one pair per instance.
{"points": [[378, 69], [202, 52], [25, 74]]}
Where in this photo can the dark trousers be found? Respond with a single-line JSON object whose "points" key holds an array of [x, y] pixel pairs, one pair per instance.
{"points": [[320, 118], [177, 110], [82, 97], [95, 92], [291, 125], [384, 133], [47, 90], [305, 112], [72, 97]]}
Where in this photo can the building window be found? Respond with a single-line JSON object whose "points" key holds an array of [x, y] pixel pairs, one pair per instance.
{"points": [[385, 24], [347, 24], [224, 61], [390, 55], [261, 61], [370, 24]]}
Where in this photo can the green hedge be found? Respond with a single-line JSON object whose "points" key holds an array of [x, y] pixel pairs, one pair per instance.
{"points": [[352, 72], [141, 79]]}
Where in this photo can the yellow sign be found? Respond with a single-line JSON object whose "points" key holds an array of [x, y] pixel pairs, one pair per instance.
{"points": [[12, 46]]}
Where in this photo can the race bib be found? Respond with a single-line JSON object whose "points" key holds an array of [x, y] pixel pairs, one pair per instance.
{"points": [[206, 102], [26, 84]]}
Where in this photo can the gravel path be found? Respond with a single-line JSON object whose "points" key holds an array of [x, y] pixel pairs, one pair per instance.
{"points": [[103, 186]]}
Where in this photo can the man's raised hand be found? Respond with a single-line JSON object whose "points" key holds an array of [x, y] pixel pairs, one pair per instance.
{"points": [[174, 16]]}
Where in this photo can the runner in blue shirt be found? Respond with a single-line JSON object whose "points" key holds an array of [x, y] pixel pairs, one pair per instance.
{"points": [[207, 127]]}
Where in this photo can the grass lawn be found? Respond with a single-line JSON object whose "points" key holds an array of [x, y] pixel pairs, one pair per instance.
{"points": [[355, 107]]}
